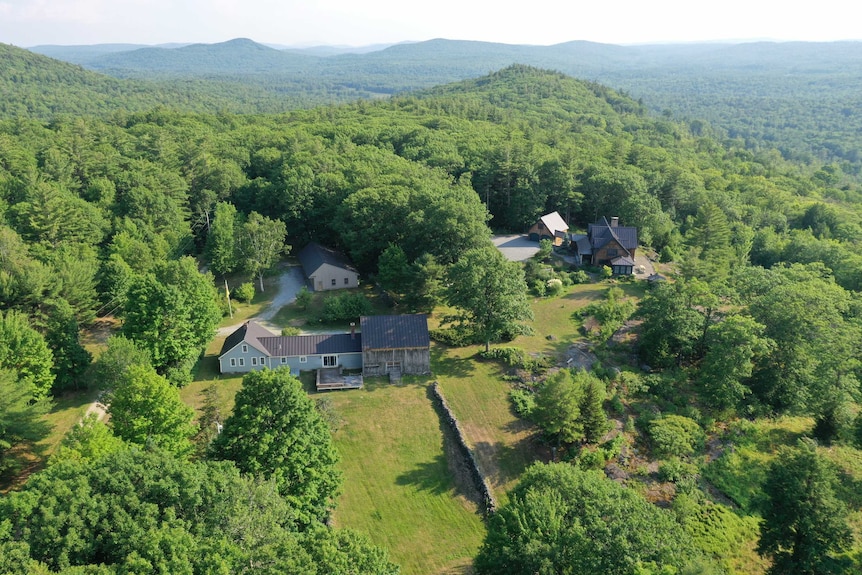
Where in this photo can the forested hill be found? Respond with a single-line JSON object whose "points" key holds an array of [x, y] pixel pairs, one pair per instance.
{"points": [[36, 86], [100, 215], [799, 98], [235, 57]]}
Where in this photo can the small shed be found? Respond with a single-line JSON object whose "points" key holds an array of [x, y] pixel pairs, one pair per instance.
{"points": [[395, 344], [549, 227], [327, 269]]}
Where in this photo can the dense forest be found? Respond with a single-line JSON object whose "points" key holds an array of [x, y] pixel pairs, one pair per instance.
{"points": [[797, 98], [115, 212]]}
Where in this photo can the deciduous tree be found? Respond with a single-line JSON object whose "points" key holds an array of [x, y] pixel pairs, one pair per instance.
{"points": [[222, 239], [276, 432], [146, 409], [261, 243], [561, 519], [733, 347], [490, 293], [172, 314], [24, 351]]}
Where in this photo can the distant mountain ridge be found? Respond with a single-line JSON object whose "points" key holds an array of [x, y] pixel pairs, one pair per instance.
{"points": [[242, 55]]}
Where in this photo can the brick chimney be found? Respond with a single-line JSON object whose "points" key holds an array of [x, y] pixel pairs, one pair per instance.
{"points": [[615, 221]]}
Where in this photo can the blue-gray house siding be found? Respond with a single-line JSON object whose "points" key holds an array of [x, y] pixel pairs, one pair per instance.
{"points": [[253, 347]]}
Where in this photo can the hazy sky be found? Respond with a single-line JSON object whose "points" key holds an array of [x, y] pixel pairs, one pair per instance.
{"points": [[360, 22]]}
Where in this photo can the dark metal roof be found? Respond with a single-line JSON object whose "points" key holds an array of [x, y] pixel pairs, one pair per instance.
{"points": [[600, 233], [584, 247], [249, 332], [623, 261], [293, 345], [315, 255], [394, 331]]}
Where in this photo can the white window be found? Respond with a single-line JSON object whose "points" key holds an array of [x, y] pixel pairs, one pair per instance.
{"points": [[302, 359], [241, 361], [233, 362], [263, 361], [284, 360], [333, 281], [254, 361], [244, 348], [330, 360], [346, 281]]}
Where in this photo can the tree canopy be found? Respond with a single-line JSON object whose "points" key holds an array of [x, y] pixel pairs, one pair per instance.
{"points": [[804, 524], [276, 432], [141, 511], [172, 313], [490, 294], [560, 519]]}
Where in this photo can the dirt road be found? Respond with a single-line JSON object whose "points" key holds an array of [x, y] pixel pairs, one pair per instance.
{"points": [[289, 284]]}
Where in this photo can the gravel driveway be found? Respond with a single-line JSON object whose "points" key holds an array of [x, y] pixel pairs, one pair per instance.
{"points": [[289, 283], [516, 248]]}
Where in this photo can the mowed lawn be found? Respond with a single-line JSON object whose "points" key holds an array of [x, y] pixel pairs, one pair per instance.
{"points": [[503, 444], [398, 484]]}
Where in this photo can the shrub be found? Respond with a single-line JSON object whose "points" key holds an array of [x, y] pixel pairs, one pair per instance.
{"points": [[344, 307], [611, 313], [580, 277], [667, 255], [591, 459], [613, 447], [523, 402], [632, 383], [290, 330], [617, 404], [454, 336], [545, 249], [675, 435], [516, 357], [303, 298], [554, 286], [539, 287], [244, 293], [676, 470]]}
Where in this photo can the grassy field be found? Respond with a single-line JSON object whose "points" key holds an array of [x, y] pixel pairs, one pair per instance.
{"points": [[503, 444], [741, 469], [399, 487]]}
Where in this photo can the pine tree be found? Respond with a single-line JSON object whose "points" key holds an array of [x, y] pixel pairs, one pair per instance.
{"points": [[803, 521], [593, 416], [70, 357]]}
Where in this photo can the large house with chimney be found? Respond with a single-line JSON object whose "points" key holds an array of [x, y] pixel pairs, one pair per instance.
{"points": [[607, 243]]}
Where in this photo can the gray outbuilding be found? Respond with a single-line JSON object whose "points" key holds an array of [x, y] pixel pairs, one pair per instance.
{"points": [[327, 269]]}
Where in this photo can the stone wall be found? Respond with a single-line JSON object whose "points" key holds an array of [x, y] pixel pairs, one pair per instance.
{"points": [[466, 453]]}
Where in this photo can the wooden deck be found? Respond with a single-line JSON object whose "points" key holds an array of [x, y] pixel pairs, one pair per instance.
{"points": [[333, 378]]}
